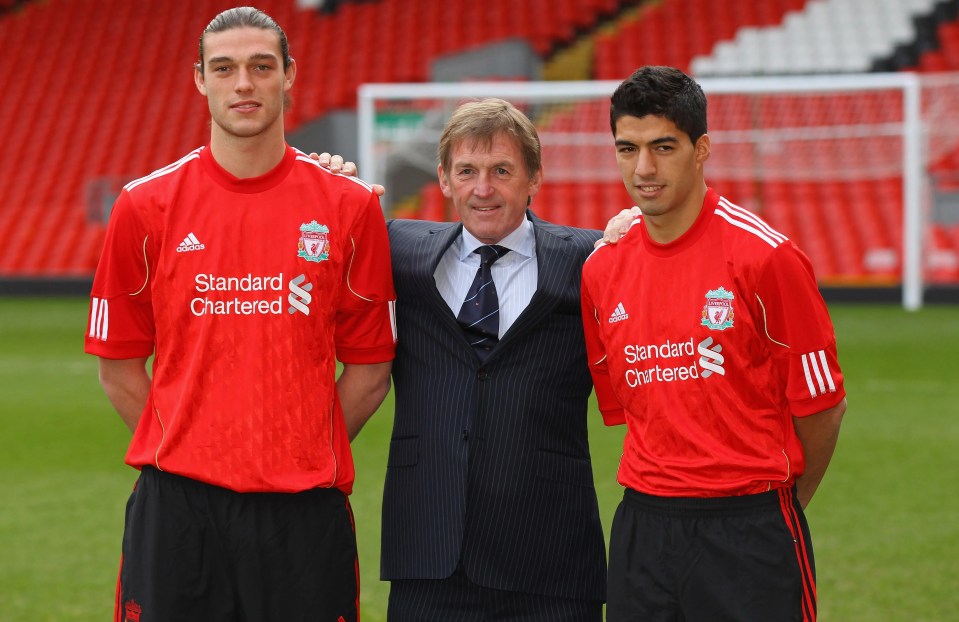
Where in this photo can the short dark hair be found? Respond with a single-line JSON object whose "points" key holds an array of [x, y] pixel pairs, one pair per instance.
{"points": [[246, 16], [661, 92]]}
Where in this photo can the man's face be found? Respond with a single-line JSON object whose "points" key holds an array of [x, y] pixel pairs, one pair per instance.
{"points": [[244, 81], [489, 186], [661, 168]]}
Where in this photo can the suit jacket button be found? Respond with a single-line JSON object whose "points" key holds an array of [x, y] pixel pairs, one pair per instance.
{"points": [[466, 434], [482, 375]]}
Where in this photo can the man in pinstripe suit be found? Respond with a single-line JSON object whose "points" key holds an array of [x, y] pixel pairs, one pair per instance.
{"points": [[489, 510]]}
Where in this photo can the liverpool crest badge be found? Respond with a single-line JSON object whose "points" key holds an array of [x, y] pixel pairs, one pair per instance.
{"points": [[314, 244], [718, 311]]}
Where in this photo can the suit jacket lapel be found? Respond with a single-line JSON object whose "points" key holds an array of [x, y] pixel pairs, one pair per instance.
{"points": [[556, 267], [427, 252]]}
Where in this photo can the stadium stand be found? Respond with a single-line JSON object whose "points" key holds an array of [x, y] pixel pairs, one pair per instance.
{"points": [[829, 36], [785, 37], [113, 100]]}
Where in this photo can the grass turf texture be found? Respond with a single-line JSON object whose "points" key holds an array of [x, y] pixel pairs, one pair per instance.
{"points": [[884, 520]]}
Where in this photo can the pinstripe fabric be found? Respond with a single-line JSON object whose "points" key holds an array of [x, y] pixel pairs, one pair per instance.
{"points": [[489, 463], [457, 599]]}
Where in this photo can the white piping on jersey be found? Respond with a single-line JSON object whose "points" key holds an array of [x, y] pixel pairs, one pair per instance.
{"points": [[302, 157], [745, 214], [746, 221], [827, 371], [766, 325], [392, 304], [635, 222], [593, 252], [166, 170], [146, 264], [99, 319], [814, 364], [350, 269]]}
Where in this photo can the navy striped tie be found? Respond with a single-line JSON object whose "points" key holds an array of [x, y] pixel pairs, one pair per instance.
{"points": [[479, 315]]}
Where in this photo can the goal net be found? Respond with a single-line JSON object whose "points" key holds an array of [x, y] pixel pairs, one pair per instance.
{"points": [[859, 170]]}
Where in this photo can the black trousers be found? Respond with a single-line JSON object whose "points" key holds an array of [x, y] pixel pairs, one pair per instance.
{"points": [[457, 599]]}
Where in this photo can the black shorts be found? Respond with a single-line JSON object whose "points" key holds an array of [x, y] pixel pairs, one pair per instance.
{"points": [[742, 559], [192, 551]]}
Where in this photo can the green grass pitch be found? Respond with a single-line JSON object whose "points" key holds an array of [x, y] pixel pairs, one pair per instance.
{"points": [[884, 522]]}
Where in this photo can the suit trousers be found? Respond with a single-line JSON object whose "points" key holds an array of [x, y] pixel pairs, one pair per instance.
{"points": [[457, 599]]}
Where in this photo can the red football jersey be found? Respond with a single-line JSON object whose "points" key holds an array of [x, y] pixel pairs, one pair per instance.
{"points": [[707, 348], [247, 291]]}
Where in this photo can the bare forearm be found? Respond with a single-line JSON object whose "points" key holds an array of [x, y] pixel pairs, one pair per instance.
{"points": [[818, 434], [127, 386], [361, 389]]}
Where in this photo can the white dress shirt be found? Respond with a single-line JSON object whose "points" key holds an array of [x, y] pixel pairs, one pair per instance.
{"points": [[514, 274]]}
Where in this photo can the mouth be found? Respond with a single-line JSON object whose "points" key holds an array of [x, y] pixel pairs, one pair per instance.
{"points": [[490, 208], [649, 190], [245, 106]]}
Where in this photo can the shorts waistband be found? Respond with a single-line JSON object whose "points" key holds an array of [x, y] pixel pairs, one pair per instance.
{"points": [[707, 506], [151, 473]]}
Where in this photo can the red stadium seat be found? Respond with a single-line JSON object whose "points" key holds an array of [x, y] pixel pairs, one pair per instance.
{"points": [[137, 111], [133, 112]]}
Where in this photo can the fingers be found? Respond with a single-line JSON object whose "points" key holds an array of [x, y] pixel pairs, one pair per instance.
{"points": [[336, 164], [323, 158], [619, 224]]}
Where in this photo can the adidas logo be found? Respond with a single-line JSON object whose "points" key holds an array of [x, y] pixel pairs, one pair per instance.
{"points": [[619, 314], [190, 243]]}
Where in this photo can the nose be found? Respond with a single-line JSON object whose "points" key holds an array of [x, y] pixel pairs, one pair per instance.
{"points": [[243, 82], [645, 163], [483, 187]]}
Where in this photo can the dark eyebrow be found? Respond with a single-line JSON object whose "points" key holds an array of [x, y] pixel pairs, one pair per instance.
{"points": [[622, 142], [253, 57], [263, 56], [663, 140]]}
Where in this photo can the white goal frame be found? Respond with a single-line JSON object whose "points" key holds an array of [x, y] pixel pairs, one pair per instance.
{"points": [[913, 171]]}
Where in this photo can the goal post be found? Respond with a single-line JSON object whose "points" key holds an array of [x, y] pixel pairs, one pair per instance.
{"points": [[838, 163]]}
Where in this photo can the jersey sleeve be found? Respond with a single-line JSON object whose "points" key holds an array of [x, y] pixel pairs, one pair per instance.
{"points": [[801, 334], [612, 411], [366, 321], [120, 323]]}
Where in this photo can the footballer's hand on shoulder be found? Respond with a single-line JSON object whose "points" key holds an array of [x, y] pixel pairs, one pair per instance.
{"points": [[336, 164]]}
